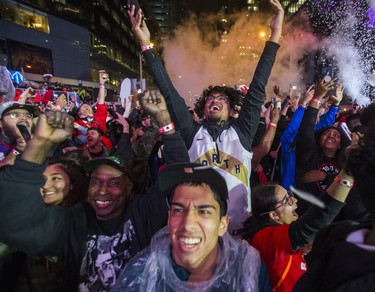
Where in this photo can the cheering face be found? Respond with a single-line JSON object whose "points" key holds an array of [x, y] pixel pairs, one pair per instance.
{"points": [[93, 138], [13, 118], [285, 208], [57, 185], [85, 110], [330, 139], [217, 108], [195, 226], [108, 192]]}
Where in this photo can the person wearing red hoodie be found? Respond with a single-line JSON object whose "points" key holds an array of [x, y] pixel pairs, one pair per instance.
{"points": [[90, 119]]}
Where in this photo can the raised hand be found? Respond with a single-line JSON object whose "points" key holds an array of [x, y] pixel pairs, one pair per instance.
{"points": [[337, 98], [309, 94], [153, 102], [27, 93], [61, 101], [54, 127], [276, 23], [122, 121], [322, 87], [139, 27], [275, 115]]}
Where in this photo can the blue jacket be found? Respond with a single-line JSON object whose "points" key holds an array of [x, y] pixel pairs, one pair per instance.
{"points": [[288, 148]]}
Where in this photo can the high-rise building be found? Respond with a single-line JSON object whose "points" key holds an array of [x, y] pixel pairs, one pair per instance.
{"points": [[71, 39], [168, 14]]}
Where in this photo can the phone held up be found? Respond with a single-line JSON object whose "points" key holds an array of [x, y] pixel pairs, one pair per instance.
{"points": [[24, 132], [345, 132], [129, 5], [112, 113]]}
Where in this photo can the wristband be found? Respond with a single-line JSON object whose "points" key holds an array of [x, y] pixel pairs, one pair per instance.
{"points": [[301, 104], [16, 152], [166, 128], [316, 100], [272, 125], [148, 47], [346, 183]]}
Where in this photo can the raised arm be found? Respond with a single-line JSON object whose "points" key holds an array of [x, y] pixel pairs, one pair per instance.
{"points": [[276, 23], [305, 145], [34, 227], [52, 128], [266, 142], [303, 231], [248, 119], [174, 147], [176, 104]]}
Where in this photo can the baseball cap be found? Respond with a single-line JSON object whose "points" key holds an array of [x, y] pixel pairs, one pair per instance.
{"points": [[177, 173], [113, 161], [11, 105]]}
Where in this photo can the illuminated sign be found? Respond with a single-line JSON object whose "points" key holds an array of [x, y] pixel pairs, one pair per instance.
{"points": [[16, 76]]}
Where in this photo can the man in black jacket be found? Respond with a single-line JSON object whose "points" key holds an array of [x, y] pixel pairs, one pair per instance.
{"points": [[95, 238]]}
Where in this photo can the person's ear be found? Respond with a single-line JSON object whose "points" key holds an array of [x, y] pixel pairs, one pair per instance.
{"points": [[223, 227], [273, 216]]}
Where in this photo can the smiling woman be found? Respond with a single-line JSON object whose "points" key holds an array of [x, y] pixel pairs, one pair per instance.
{"points": [[65, 183]]}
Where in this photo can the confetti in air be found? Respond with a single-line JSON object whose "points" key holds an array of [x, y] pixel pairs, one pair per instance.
{"points": [[349, 42], [222, 49]]}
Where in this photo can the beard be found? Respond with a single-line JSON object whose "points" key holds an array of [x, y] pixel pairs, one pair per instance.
{"points": [[12, 134], [213, 120]]}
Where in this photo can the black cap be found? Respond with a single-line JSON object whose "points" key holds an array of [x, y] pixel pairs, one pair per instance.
{"points": [[178, 173], [11, 105], [113, 161]]}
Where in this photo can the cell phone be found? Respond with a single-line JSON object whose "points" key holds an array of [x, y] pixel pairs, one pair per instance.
{"points": [[112, 113], [345, 132], [24, 132], [328, 69], [136, 5]]}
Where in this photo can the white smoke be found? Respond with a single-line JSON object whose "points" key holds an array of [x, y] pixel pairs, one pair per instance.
{"points": [[204, 52]]}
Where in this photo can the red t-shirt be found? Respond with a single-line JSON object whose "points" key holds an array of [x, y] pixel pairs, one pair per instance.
{"points": [[275, 249]]}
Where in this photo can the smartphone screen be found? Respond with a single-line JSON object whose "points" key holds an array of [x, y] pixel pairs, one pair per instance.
{"points": [[24, 132]]}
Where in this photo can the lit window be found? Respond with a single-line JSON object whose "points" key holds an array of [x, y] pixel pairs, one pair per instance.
{"points": [[22, 15]]}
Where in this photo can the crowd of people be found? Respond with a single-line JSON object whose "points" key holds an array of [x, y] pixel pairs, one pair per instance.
{"points": [[243, 194]]}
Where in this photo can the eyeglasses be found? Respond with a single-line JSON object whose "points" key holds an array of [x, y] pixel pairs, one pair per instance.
{"points": [[287, 200], [16, 115], [220, 98]]}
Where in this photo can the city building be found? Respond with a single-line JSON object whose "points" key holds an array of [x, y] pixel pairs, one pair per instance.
{"points": [[72, 40]]}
